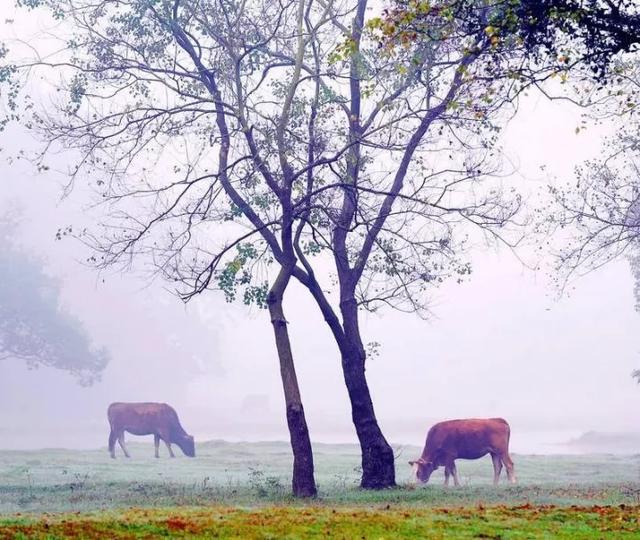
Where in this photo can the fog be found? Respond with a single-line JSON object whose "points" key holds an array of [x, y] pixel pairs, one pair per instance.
{"points": [[501, 344]]}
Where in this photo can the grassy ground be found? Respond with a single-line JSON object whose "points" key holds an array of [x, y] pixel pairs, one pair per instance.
{"points": [[521, 522], [232, 487]]}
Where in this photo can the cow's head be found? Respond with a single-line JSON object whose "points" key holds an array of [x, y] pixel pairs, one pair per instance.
{"points": [[423, 469], [187, 445]]}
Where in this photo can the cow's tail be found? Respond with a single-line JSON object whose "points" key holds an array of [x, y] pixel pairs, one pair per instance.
{"points": [[110, 413], [113, 436], [507, 432], [112, 430]]}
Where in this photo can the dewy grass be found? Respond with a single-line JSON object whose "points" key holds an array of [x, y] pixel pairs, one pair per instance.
{"points": [[256, 474], [241, 490], [313, 521]]}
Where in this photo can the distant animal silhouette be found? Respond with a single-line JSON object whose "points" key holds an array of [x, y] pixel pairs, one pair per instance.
{"points": [[470, 438], [157, 419]]}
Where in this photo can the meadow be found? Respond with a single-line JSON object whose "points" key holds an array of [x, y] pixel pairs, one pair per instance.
{"points": [[241, 490]]}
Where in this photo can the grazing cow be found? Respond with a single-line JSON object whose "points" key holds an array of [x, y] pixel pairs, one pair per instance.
{"points": [[157, 419], [465, 439]]}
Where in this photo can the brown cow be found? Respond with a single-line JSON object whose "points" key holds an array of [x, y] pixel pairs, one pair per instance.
{"points": [[157, 419], [465, 439]]}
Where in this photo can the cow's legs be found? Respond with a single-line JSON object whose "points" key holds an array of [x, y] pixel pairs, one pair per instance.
{"points": [[450, 470], [112, 443], [121, 443], [165, 437], [506, 459], [497, 468], [169, 448], [156, 443], [454, 472]]}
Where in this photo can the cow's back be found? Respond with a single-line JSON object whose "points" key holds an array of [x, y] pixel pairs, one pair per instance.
{"points": [[141, 418], [468, 438]]}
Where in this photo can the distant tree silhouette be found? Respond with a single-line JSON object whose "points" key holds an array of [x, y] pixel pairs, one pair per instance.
{"points": [[33, 328]]}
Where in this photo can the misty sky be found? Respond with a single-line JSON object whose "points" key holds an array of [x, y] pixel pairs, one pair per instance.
{"points": [[501, 344]]}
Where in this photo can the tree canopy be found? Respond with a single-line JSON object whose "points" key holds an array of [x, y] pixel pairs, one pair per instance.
{"points": [[588, 32]]}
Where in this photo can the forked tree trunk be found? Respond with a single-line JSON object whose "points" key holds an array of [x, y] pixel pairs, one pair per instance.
{"points": [[303, 483], [378, 462]]}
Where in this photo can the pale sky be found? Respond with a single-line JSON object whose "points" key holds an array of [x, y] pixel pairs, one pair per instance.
{"points": [[500, 345]]}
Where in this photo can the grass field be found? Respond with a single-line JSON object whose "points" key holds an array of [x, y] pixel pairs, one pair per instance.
{"points": [[520, 522], [241, 490]]}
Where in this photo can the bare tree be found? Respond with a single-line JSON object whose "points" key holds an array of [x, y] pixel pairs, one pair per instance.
{"points": [[597, 215], [237, 144], [599, 211]]}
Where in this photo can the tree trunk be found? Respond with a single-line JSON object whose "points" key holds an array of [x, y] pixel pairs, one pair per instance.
{"points": [[303, 483], [378, 463]]}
